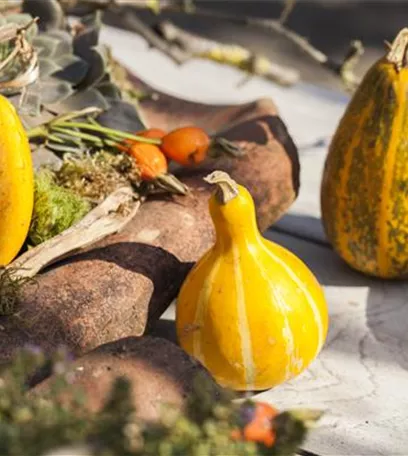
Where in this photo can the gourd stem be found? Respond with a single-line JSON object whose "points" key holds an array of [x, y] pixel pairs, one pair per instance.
{"points": [[398, 53], [227, 188]]}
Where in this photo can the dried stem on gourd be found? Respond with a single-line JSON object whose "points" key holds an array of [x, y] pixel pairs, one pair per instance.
{"points": [[398, 54], [227, 188]]}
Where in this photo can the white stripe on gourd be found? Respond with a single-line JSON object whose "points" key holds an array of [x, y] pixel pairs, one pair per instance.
{"points": [[302, 287], [278, 299], [243, 324], [203, 299]]}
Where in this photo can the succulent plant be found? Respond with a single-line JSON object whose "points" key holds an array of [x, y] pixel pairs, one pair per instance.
{"points": [[75, 71]]}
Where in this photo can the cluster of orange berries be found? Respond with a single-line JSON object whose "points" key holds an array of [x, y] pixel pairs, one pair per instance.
{"points": [[186, 146]]}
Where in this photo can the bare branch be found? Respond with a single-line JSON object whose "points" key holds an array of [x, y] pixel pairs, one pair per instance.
{"points": [[287, 10], [348, 77], [229, 54], [350, 61], [130, 21], [344, 69]]}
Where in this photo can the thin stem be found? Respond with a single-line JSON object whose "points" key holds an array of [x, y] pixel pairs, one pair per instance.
{"points": [[37, 132], [79, 134], [66, 137], [55, 138], [109, 131], [287, 9], [76, 114], [111, 143]]}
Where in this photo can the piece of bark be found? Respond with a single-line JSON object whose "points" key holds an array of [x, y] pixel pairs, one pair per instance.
{"points": [[128, 280], [160, 374]]}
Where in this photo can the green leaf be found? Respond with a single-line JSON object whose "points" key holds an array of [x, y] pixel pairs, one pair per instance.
{"points": [[54, 91], [109, 90], [49, 11], [121, 116], [47, 67], [80, 100], [73, 69], [97, 61], [30, 103], [93, 20], [87, 39], [64, 48], [19, 19], [61, 35], [45, 45]]}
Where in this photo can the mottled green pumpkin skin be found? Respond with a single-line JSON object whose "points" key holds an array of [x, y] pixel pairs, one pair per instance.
{"points": [[364, 191]]}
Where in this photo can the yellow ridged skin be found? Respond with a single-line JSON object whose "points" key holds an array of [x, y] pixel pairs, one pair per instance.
{"points": [[16, 183], [364, 190], [250, 311]]}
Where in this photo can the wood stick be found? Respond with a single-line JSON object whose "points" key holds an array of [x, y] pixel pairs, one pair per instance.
{"points": [[110, 217]]}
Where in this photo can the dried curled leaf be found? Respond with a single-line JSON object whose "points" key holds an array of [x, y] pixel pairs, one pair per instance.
{"points": [[19, 66]]}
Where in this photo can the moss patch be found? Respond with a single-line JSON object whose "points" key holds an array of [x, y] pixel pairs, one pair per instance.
{"points": [[55, 208], [95, 176]]}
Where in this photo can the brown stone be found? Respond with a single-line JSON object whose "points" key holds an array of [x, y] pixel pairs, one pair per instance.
{"points": [[160, 373], [127, 281]]}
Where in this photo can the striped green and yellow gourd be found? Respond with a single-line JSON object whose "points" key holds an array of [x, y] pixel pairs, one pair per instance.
{"points": [[364, 190]]}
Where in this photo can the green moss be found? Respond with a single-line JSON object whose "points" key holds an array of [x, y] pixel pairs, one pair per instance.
{"points": [[55, 208]]}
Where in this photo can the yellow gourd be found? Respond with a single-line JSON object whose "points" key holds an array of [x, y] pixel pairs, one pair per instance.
{"points": [[364, 190], [249, 310], [16, 183]]}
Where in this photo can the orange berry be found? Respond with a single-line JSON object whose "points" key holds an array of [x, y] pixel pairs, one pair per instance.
{"points": [[153, 133], [186, 146], [150, 159], [257, 424]]}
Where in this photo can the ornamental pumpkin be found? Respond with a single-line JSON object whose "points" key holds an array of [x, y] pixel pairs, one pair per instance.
{"points": [[364, 189], [250, 311], [16, 183]]}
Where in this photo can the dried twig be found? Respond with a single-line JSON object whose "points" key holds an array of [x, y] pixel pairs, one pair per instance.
{"points": [[22, 51], [230, 54], [343, 69], [106, 219], [73, 6], [287, 9], [348, 77], [130, 21]]}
